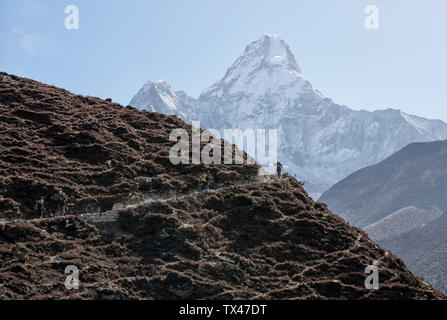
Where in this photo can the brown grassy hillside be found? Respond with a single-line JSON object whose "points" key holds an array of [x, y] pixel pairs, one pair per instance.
{"points": [[94, 150], [261, 239]]}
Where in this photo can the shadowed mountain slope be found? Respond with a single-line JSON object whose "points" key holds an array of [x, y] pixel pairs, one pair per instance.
{"points": [[424, 250], [414, 176], [401, 203]]}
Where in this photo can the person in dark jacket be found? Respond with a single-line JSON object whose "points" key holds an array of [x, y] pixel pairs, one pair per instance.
{"points": [[278, 168], [40, 207], [61, 201]]}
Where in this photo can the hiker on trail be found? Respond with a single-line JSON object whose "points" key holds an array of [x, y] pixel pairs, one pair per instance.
{"points": [[40, 207], [278, 168], [61, 201], [204, 179]]}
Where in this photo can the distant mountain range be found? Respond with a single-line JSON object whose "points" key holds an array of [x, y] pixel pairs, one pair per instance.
{"points": [[401, 203], [320, 141]]}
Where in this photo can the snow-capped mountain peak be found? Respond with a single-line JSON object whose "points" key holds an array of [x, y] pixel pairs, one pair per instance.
{"points": [[159, 97], [158, 93], [267, 66], [270, 51]]}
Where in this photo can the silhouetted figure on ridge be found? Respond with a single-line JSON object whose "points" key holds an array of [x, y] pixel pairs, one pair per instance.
{"points": [[278, 168], [40, 207], [61, 201]]}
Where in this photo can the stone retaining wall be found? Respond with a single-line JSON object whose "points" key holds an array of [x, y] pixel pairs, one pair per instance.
{"points": [[103, 217]]}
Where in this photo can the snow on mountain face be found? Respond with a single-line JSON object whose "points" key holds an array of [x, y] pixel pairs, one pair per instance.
{"points": [[160, 97], [318, 141], [266, 66]]}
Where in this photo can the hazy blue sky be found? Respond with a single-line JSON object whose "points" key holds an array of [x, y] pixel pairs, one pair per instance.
{"points": [[190, 44]]}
